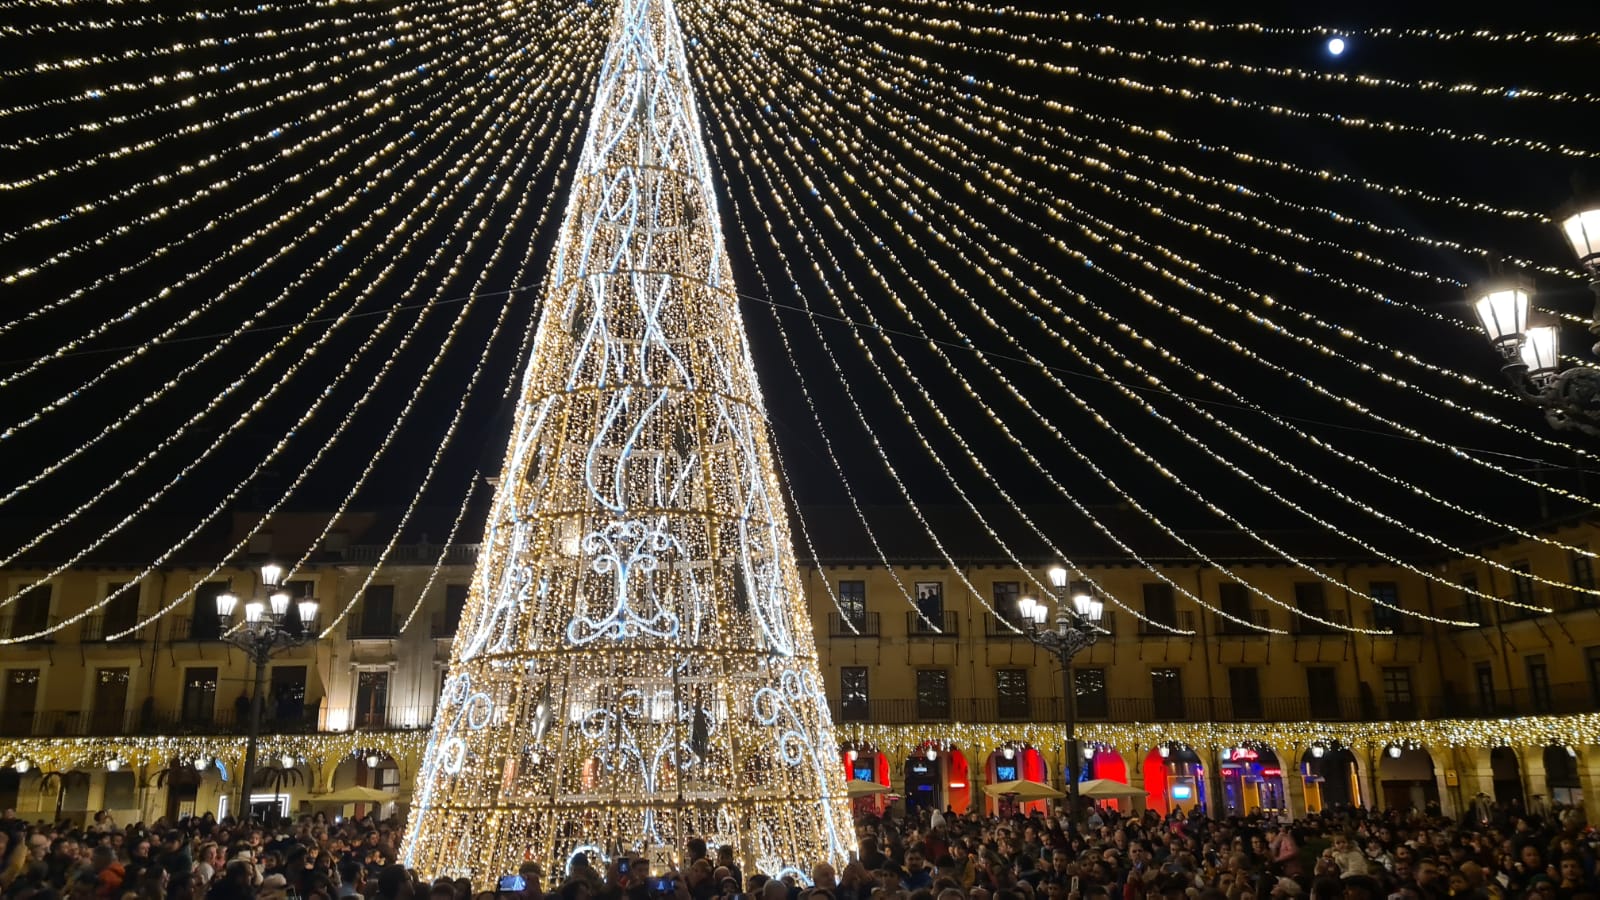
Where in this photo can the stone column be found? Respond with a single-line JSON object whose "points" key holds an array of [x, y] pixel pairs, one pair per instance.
{"points": [[1589, 778]]}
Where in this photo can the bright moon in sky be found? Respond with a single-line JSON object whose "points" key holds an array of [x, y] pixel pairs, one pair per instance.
{"points": [[1336, 46]]}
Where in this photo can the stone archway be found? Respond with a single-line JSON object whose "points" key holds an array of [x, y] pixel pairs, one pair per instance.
{"points": [[1408, 779], [1331, 777], [1505, 769]]}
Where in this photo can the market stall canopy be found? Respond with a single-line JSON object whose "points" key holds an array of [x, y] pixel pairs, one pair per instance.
{"points": [[858, 788], [1022, 790]]}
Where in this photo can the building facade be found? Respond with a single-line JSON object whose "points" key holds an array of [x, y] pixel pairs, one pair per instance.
{"points": [[934, 692]]}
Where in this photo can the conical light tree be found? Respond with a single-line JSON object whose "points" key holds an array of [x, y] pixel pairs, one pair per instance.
{"points": [[636, 664]]}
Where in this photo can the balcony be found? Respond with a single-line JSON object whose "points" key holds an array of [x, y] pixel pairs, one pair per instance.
{"points": [[946, 622], [996, 628], [194, 628], [865, 626], [373, 628], [1303, 627], [96, 628], [1181, 621], [441, 626], [425, 554], [1257, 617], [17, 625]]}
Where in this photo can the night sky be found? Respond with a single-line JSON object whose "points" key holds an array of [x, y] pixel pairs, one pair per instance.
{"points": [[132, 225]]}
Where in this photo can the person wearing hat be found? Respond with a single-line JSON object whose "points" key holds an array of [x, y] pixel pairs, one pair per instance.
{"points": [[273, 887]]}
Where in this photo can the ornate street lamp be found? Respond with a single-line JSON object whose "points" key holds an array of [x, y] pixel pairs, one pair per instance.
{"points": [[1076, 629], [1571, 398], [267, 630]]}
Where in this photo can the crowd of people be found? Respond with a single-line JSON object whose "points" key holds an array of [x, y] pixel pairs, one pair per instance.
{"points": [[1344, 854]]}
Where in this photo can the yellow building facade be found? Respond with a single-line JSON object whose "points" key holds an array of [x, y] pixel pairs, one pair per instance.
{"points": [[934, 694]]}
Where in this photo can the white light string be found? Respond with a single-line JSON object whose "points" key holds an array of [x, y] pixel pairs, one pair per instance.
{"points": [[458, 185], [437, 117], [942, 109], [890, 292], [444, 552], [303, 278], [487, 140], [266, 516], [123, 92], [818, 270], [546, 122], [1033, 192], [962, 154], [968, 29], [376, 100], [916, 286]]}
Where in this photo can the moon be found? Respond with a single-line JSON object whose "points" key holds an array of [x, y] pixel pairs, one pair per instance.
{"points": [[1336, 46]]}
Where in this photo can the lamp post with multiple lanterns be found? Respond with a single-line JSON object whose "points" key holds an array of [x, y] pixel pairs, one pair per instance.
{"points": [[1076, 629], [1570, 398], [266, 630]]}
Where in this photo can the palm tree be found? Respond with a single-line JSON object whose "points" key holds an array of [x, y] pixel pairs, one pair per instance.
{"points": [[61, 781], [277, 778]]}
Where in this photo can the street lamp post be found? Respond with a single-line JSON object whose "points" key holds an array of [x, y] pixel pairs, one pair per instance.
{"points": [[1076, 629], [1570, 398], [265, 631]]}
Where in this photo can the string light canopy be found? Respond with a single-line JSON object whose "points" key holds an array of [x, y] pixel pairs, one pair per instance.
{"points": [[636, 663], [328, 165]]}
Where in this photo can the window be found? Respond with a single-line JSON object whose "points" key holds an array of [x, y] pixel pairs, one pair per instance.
{"points": [[1583, 574], [110, 701], [1471, 603], [853, 693], [372, 699], [1159, 605], [377, 611], [119, 791], [455, 604], [32, 611], [1166, 692], [1234, 600], [1005, 597], [853, 601], [1244, 686], [1383, 616], [20, 702], [299, 589], [121, 613], [1309, 599], [1089, 689], [933, 694], [286, 698], [1483, 677], [1538, 682], [930, 604], [1521, 583], [200, 695], [203, 625], [1011, 692], [1397, 692], [1322, 687]]}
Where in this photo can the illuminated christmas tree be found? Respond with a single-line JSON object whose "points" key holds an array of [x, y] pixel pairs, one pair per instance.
{"points": [[636, 664]]}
